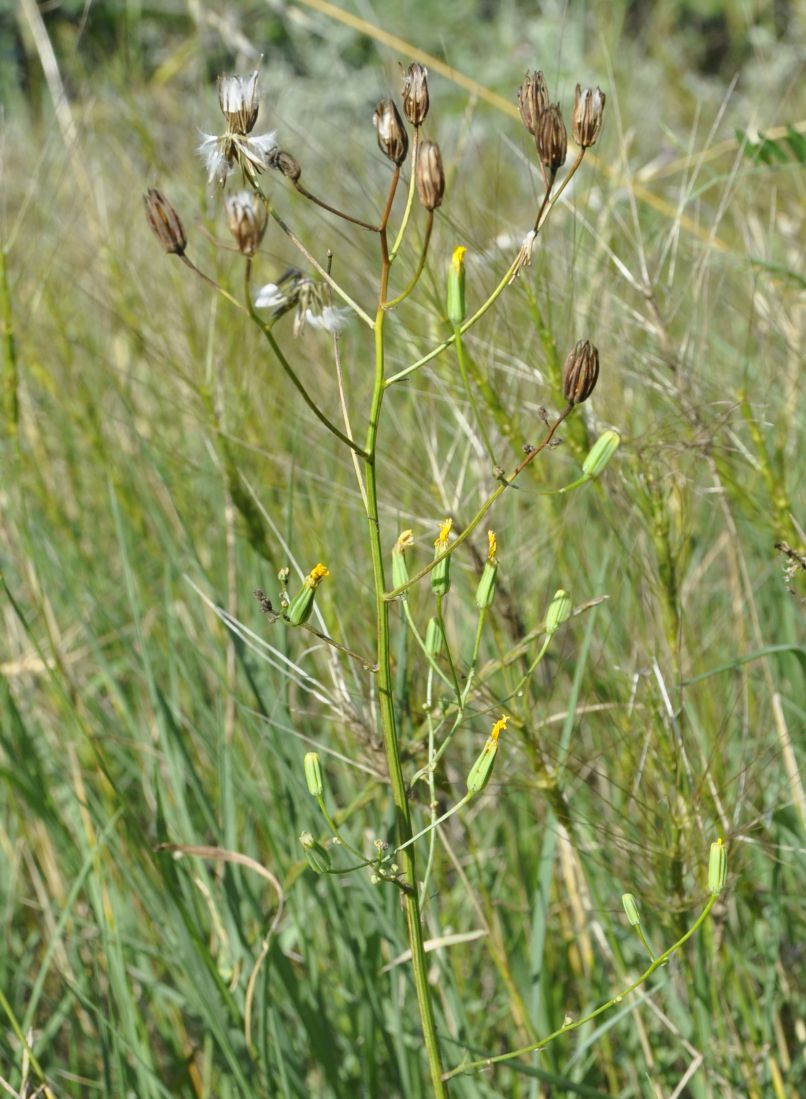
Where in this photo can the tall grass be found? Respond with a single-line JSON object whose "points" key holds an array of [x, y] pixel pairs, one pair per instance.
{"points": [[157, 468]]}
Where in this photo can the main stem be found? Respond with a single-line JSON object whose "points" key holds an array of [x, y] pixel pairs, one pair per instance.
{"points": [[411, 900]]}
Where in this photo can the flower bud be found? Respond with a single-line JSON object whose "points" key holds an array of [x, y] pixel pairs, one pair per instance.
{"points": [[717, 867], [434, 638], [313, 775], [631, 909], [533, 99], [588, 114], [247, 221], [400, 570], [441, 573], [485, 592], [415, 93], [480, 772], [284, 162], [429, 177], [559, 611], [580, 372], [318, 856], [238, 99], [164, 221], [300, 607], [551, 139], [600, 453], [456, 287], [393, 141]]}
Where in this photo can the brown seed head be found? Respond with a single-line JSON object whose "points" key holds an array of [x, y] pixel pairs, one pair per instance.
{"points": [[393, 141], [430, 178], [415, 93], [285, 163], [247, 221], [533, 98], [165, 222], [238, 99], [580, 372], [550, 138], [588, 114]]}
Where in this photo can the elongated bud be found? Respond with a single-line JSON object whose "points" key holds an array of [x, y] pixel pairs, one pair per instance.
{"points": [[559, 611], [588, 116], [580, 372], [313, 775], [481, 770], [400, 570], [164, 222], [393, 141], [441, 573], [551, 138], [717, 867], [415, 93], [300, 607], [434, 638], [485, 592], [248, 219], [238, 99], [456, 287], [318, 856], [430, 177], [285, 163], [600, 453], [533, 99], [631, 909]]}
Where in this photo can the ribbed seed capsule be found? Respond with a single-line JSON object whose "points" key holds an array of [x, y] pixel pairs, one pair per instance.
{"points": [[717, 867], [300, 607], [456, 287], [164, 221], [393, 141], [559, 611], [441, 572], [551, 138], [313, 775], [533, 99], [400, 570], [588, 116], [430, 177], [415, 93], [600, 453], [485, 592], [248, 219], [631, 909], [318, 856], [479, 774], [284, 162], [580, 372]]}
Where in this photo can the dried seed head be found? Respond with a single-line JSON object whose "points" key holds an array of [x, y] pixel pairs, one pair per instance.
{"points": [[393, 141], [247, 221], [588, 114], [533, 99], [284, 162], [237, 96], [430, 177], [415, 93], [580, 372], [164, 221], [550, 138]]}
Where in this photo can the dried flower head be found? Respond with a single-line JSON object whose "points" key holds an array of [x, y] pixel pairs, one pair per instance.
{"points": [[551, 138], [237, 96], [393, 141], [415, 93], [164, 221], [588, 115], [533, 99], [430, 177], [580, 372], [310, 298], [284, 162], [248, 219], [280, 296]]}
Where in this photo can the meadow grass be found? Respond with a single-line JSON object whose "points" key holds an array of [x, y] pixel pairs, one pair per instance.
{"points": [[157, 468]]}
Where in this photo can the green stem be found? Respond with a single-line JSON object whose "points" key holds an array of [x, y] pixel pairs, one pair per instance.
{"points": [[334, 829], [416, 277], [430, 827], [486, 1062], [11, 377], [410, 198], [460, 355], [290, 372]]}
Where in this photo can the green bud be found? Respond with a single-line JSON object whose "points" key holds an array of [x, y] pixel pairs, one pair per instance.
{"points": [[485, 592], [313, 775], [456, 287], [600, 453], [300, 607], [559, 611], [318, 856], [631, 909], [441, 573], [717, 867], [480, 772], [434, 638], [400, 570]]}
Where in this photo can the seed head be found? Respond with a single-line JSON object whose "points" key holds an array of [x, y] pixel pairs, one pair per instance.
{"points": [[393, 141], [430, 177], [284, 162], [533, 99], [580, 372], [551, 138], [247, 221], [415, 93], [237, 96], [588, 115], [164, 221]]}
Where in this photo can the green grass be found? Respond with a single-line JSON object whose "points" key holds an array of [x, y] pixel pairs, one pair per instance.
{"points": [[156, 464]]}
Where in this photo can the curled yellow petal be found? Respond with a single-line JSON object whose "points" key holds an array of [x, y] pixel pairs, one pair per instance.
{"points": [[317, 575], [499, 727], [441, 540]]}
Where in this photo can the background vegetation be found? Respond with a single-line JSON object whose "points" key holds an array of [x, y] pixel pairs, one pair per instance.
{"points": [[155, 466]]}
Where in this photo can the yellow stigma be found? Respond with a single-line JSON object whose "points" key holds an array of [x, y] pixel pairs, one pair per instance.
{"points": [[317, 575], [405, 540], [492, 542], [458, 258], [441, 539], [498, 728]]}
